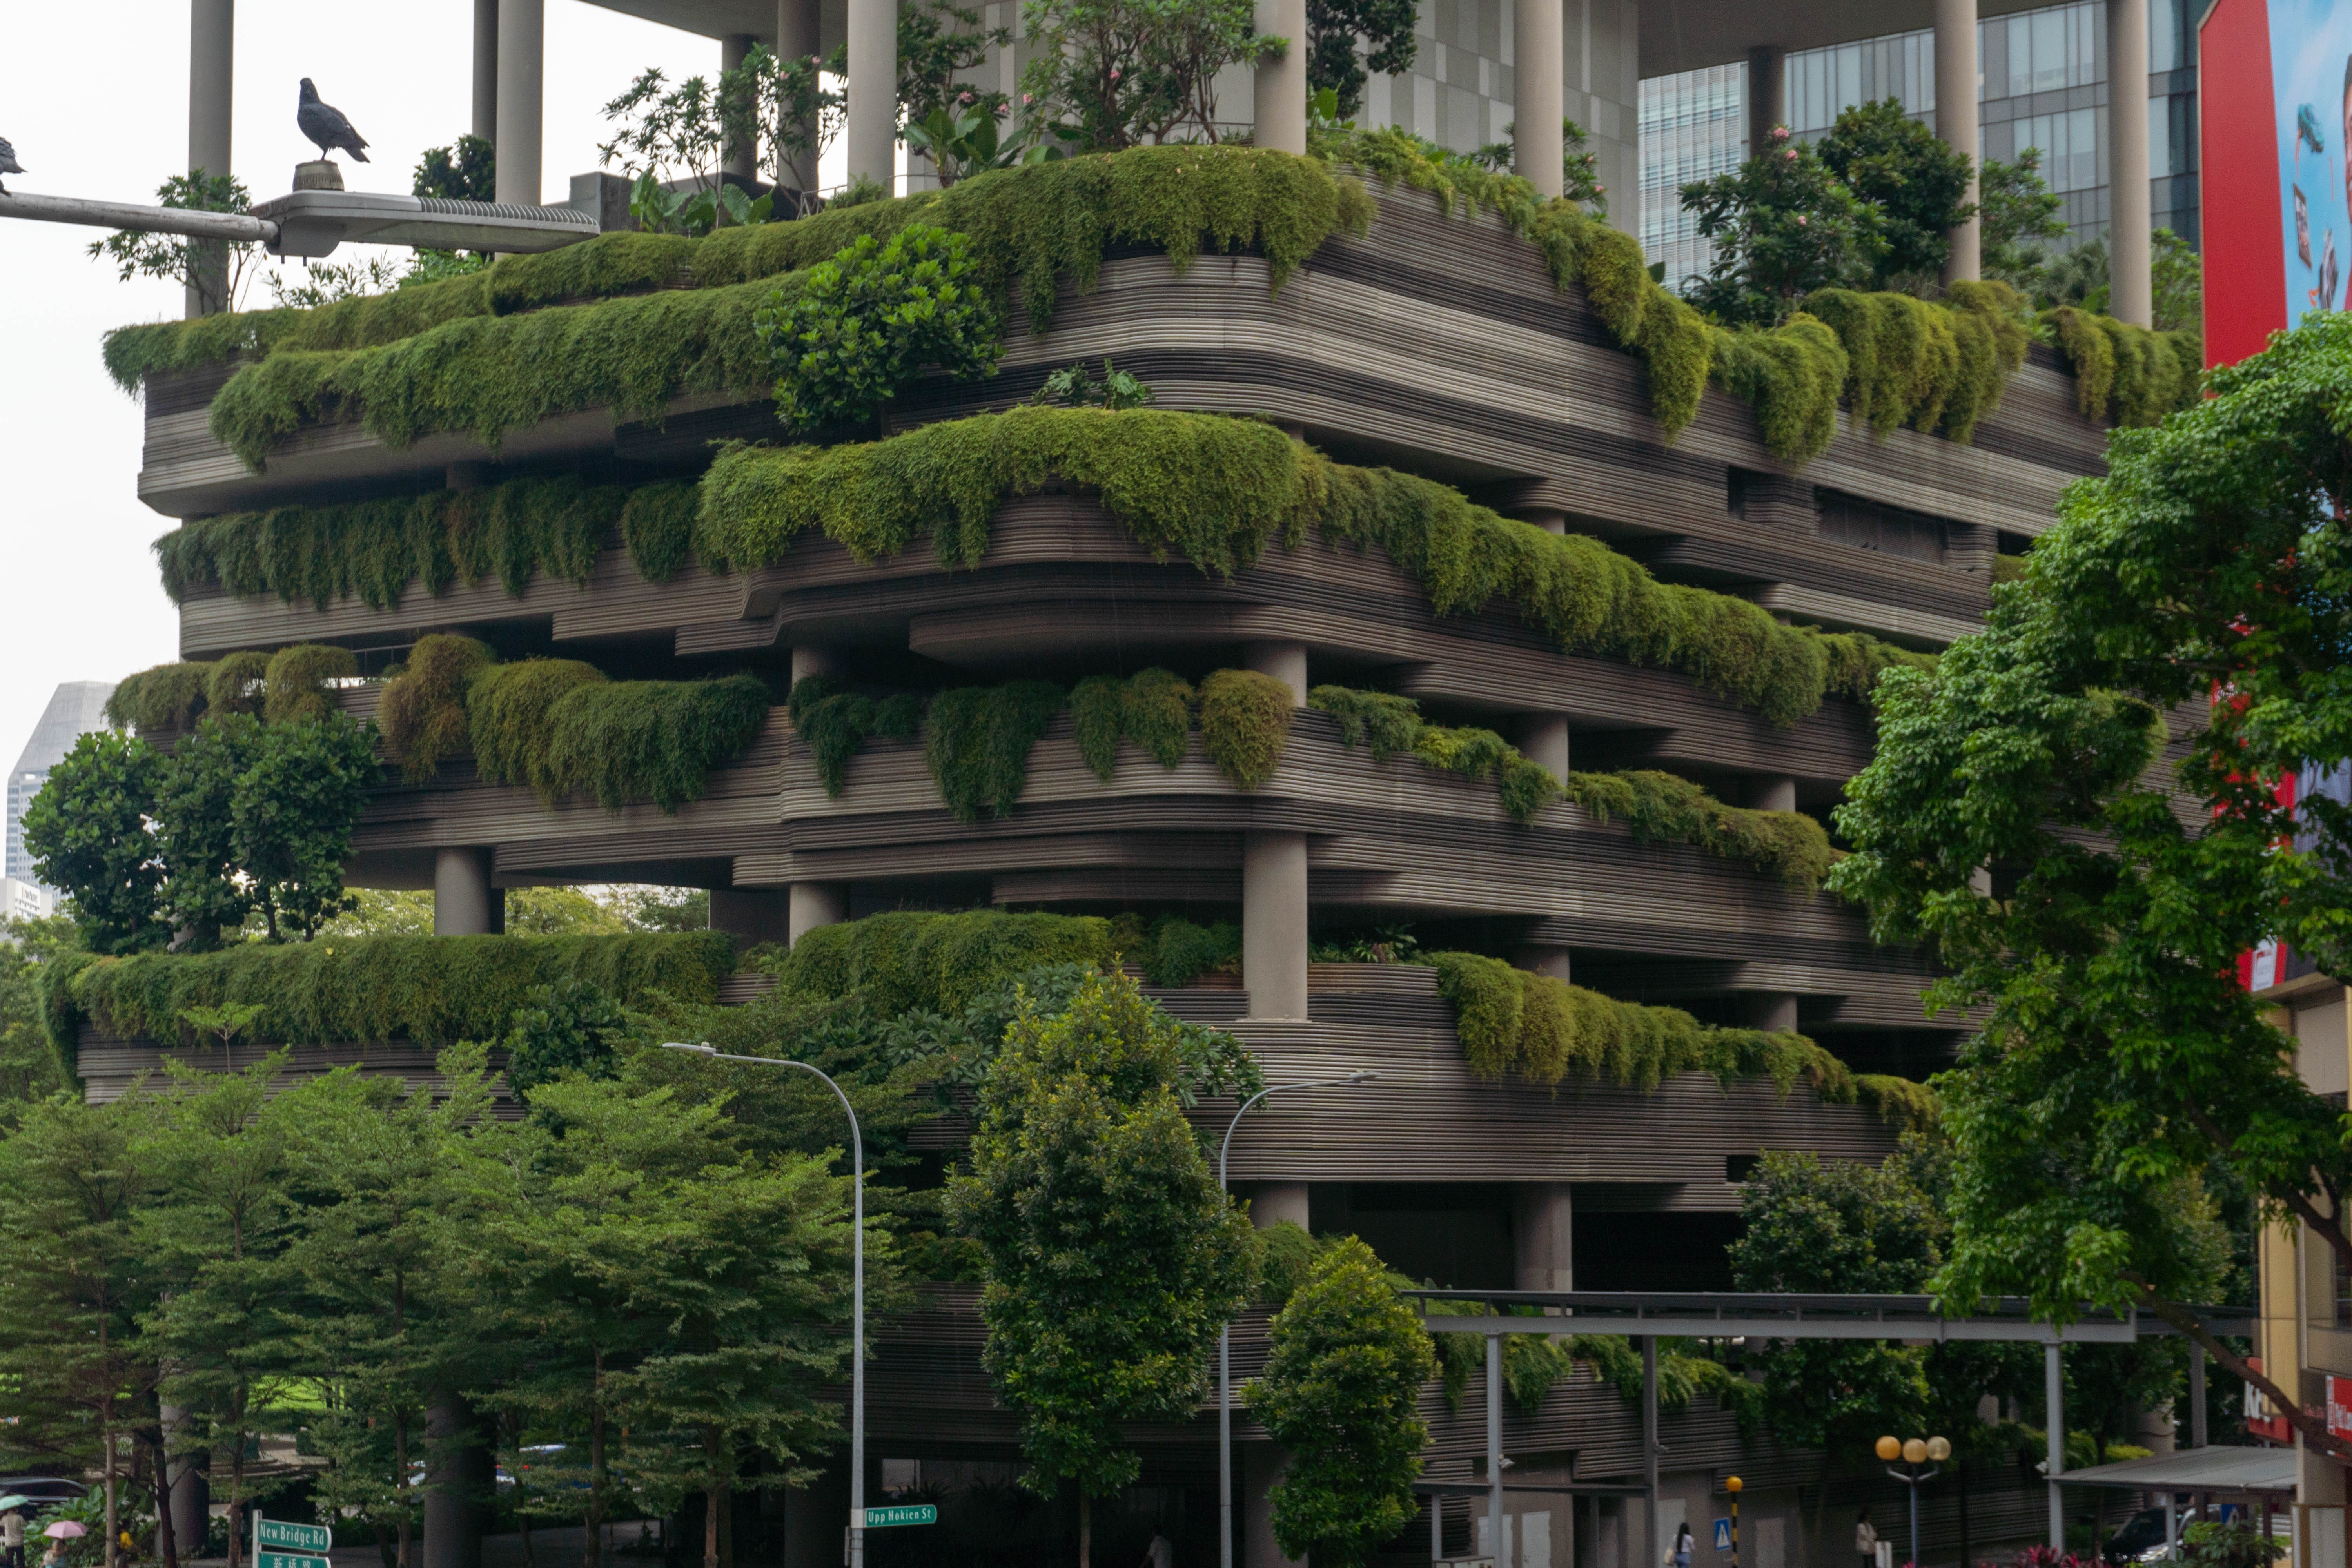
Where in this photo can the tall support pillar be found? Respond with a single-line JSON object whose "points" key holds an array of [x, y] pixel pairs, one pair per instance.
{"points": [[522, 67], [752, 915], [459, 1480], [1543, 740], [485, 124], [1956, 117], [191, 1497], [1285, 661], [1772, 792], [1767, 94], [2196, 1395], [1261, 1465], [1279, 102], [1496, 1548], [1775, 1012], [1649, 1448], [2054, 1394], [797, 39], [2131, 294], [1539, 56], [1543, 1236], [815, 904], [463, 902], [742, 157], [873, 113], [1274, 924], [212, 80]]}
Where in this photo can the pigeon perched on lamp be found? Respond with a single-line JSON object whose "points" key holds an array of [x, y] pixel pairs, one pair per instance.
{"points": [[9, 164], [324, 124]]}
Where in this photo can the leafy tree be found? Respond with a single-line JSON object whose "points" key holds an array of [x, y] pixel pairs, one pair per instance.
{"points": [[1333, 26], [195, 811], [866, 322], [1918, 185], [2017, 218], [218, 270], [292, 812], [2178, 276], [1075, 387], [464, 172], [1344, 1372], [939, 40], [2121, 1059], [87, 832], [568, 1028], [29, 1069], [966, 138], [1116, 73], [1783, 225], [2076, 276], [71, 1188], [783, 107], [1112, 1253]]}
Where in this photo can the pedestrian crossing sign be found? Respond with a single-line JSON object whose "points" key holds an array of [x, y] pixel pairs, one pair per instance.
{"points": [[1722, 1535]]}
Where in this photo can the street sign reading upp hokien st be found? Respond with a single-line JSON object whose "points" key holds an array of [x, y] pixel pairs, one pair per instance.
{"points": [[902, 1513]]}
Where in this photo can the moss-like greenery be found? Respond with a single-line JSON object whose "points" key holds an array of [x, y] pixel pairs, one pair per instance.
{"points": [[2144, 374], [238, 682], [560, 727], [1154, 709], [1175, 951], [1219, 490], [913, 958], [657, 527], [168, 697], [1516, 1022], [836, 723], [377, 549], [422, 709], [1245, 723], [340, 991], [1899, 1100], [977, 739], [295, 682], [1926, 365]]}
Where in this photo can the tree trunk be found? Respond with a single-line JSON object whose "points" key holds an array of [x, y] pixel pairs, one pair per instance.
{"points": [[167, 1541], [594, 1554], [113, 1524], [1085, 1530], [405, 1531], [714, 1497]]}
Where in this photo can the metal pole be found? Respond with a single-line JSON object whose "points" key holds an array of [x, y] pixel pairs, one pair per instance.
{"points": [[2196, 1395], [857, 1290], [1494, 1448], [237, 226], [1436, 1526], [1649, 1450], [1915, 1517], [1225, 1334], [2054, 1394]]}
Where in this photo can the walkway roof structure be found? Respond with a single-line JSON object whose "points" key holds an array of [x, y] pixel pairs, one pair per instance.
{"points": [[1781, 1316]]}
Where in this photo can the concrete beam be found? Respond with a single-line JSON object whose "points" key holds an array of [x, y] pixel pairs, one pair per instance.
{"points": [[522, 67]]}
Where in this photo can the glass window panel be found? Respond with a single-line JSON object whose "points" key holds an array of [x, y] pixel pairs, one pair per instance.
{"points": [[2048, 50], [1817, 91], [2083, 147], [1849, 88], [2020, 56], [2160, 138]]}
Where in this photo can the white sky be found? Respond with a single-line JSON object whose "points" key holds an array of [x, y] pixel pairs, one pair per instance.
{"points": [[100, 112]]}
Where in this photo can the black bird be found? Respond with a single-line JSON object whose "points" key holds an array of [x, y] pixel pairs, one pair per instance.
{"points": [[325, 124], [9, 164]]}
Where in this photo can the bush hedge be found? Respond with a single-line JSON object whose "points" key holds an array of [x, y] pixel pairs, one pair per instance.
{"points": [[558, 726], [363, 990], [1219, 490], [911, 959], [422, 709], [2144, 374], [288, 684]]}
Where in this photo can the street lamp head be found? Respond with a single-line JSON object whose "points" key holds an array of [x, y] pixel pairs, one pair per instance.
{"points": [[1732, 1485], [1940, 1449], [705, 1049], [1915, 1451], [1365, 1076], [1890, 1447]]}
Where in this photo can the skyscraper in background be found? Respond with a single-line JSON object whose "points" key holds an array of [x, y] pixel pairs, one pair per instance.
{"points": [[76, 708], [2042, 82]]}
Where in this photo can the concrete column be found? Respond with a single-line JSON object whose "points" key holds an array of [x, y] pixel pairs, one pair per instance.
{"points": [[1271, 1202], [1261, 1465], [1543, 740], [742, 158], [797, 39], [522, 64], [486, 70], [1543, 1233], [814, 658], [1539, 56], [2053, 1393], [1274, 924], [1279, 103], [1550, 519], [752, 915], [1772, 792], [812, 904], [212, 80], [1543, 958], [873, 116], [1775, 1010], [460, 1476], [1767, 94], [191, 1497], [464, 903], [2131, 294], [1956, 117], [1285, 661]]}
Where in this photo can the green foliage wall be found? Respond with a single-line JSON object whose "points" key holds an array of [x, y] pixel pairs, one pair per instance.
{"points": [[361, 990], [2143, 374], [914, 959], [292, 683], [422, 710]]}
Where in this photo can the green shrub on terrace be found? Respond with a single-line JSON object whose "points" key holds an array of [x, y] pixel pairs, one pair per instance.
{"points": [[231, 688], [1927, 366], [294, 684], [168, 697], [1245, 723], [363, 990], [977, 739], [374, 549], [423, 710], [836, 723], [1153, 709], [2144, 375], [1175, 951], [510, 714], [1898, 1101], [913, 959], [1514, 1021], [651, 740]]}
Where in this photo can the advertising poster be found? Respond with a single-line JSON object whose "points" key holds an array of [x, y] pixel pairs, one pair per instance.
{"points": [[2311, 102]]}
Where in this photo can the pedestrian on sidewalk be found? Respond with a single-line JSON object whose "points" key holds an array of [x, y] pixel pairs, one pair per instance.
{"points": [[12, 1539], [1865, 1541]]}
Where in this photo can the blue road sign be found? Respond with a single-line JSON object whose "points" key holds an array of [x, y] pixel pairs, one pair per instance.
{"points": [[1722, 1535]]}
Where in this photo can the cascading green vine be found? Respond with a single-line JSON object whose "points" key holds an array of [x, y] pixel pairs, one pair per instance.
{"points": [[836, 723], [2144, 374], [290, 683]]}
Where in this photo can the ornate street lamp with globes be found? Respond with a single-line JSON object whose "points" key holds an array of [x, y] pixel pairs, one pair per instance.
{"points": [[1913, 1452]]}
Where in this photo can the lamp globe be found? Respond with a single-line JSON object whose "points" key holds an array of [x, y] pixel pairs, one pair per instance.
{"points": [[1890, 1447]]}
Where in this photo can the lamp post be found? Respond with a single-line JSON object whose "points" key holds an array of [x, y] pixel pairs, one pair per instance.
{"points": [[1913, 1452], [1733, 1486], [1224, 1332], [858, 1289]]}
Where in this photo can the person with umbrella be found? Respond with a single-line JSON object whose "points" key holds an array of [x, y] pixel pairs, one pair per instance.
{"points": [[60, 1532], [12, 1532]]}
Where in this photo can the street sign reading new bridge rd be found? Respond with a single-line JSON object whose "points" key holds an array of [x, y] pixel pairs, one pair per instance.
{"points": [[314, 1539], [902, 1513]]}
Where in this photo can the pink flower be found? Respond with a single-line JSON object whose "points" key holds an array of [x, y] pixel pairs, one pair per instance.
{"points": [[1800, 220], [963, 98], [1779, 134], [1114, 73], [1026, 100], [1789, 156]]}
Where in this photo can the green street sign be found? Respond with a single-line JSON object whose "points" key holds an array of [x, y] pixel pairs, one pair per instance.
{"points": [[880, 1518], [265, 1559], [293, 1537]]}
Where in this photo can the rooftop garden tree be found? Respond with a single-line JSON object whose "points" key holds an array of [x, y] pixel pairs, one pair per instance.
{"points": [[219, 272], [1112, 1253], [1336, 30], [465, 171], [2122, 1060], [939, 41], [1345, 1366], [2017, 218], [1783, 224], [1918, 186], [1118, 73], [87, 832]]}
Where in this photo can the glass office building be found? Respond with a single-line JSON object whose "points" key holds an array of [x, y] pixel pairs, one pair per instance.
{"points": [[2042, 79]]}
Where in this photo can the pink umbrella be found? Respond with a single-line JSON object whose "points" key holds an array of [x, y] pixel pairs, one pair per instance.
{"points": [[65, 1529]]}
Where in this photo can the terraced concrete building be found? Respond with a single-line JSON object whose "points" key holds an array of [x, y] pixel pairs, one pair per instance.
{"points": [[1568, 603]]}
